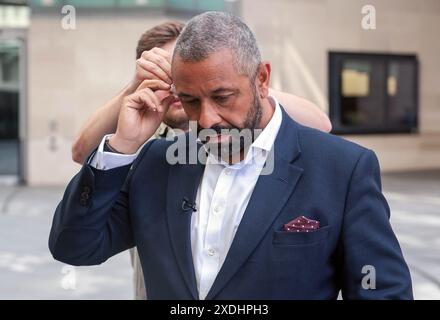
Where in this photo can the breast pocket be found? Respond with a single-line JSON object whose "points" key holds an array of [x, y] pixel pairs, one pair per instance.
{"points": [[300, 247], [285, 238]]}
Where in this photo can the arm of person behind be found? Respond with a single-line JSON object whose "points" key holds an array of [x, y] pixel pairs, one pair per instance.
{"points": [[303, 111], [104, 120]]}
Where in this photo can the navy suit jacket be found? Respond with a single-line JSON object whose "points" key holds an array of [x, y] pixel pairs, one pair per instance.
{"points": [[317, 175]]}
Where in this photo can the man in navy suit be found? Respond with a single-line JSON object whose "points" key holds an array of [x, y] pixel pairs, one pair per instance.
{"points": [[285, 212]]}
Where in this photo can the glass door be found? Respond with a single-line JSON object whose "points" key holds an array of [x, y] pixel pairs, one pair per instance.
{"points": [[10, 96]]}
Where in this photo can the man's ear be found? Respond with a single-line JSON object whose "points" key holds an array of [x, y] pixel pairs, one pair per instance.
{"points": [[262, 79]]}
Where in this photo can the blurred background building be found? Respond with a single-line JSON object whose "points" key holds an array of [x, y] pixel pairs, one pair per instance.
{"points": [[52, 78]]}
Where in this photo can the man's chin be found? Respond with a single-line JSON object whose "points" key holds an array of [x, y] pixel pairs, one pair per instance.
{"points": [[222, 139], [176, 118], [175, 112]]}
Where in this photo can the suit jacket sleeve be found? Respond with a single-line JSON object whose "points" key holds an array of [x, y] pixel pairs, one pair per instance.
{"points": [[92, 221], [373, 264]]}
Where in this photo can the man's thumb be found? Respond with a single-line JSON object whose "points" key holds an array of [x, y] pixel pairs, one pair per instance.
{"points": [[167, 101]]}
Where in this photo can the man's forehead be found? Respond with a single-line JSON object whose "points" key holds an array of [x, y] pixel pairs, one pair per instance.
{"points": [[216, 63], [206, 82], [211, 75]]}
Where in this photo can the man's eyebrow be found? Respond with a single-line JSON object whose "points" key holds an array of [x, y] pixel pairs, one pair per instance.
{"points": [[223, 90], [183, 95], [216, 91]]}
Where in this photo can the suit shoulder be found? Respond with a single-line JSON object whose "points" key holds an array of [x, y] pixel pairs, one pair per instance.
{"points": [[329, 145]]}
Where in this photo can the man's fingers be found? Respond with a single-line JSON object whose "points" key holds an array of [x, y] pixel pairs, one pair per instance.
{"points": [[166, 102], [154, 84], [143, 99], [144, 74], [159, 57], [150, 99], [162, 53], [155, 69]]}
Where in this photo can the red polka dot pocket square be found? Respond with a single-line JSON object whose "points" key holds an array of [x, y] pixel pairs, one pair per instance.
{"points": [[301, 224]]}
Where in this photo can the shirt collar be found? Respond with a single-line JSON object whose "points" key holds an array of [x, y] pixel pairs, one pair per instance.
{"points": [[267, 137]]}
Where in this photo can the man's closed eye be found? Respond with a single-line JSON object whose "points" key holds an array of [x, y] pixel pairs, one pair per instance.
{"points": [[221, 99]]}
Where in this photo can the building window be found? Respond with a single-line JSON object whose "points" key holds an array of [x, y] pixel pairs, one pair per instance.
{"points": [[373, 93], [14, 15], [191, 6]]}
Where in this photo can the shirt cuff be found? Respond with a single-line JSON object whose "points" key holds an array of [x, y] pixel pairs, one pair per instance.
{"points": [[102, 160]]}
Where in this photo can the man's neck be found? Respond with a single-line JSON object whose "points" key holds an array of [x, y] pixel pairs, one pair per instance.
{"points": [[267, 111]]}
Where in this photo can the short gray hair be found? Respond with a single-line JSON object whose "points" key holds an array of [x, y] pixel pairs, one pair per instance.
{"points": [[211, 31]]}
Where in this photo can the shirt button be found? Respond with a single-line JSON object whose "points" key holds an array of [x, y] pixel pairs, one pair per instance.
{"points": [[211, 252], [217, 209], [227, 172]]}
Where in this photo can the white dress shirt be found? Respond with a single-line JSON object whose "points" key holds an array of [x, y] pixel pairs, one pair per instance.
{"points": [[222, 198]]}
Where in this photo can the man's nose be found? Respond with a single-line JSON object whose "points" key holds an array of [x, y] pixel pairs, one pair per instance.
{"points": [[208, 116]]}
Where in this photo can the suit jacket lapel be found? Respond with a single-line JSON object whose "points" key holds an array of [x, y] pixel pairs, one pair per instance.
{"points": [[263, 207], [183, 182]]}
